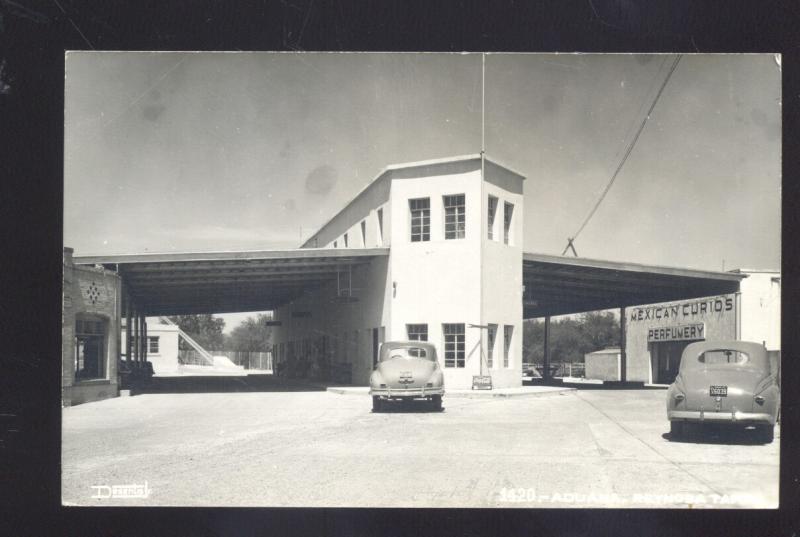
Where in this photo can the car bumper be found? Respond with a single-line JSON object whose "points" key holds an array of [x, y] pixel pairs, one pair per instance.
{"points": [[407, 392], [721, 417]]}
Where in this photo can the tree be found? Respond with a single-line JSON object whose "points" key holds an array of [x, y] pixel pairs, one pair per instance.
{"points": [[204, 329], [570, 338], [252, 334]]}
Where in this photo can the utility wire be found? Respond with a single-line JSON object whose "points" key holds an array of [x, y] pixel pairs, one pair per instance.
{"points": [[624, 157]]}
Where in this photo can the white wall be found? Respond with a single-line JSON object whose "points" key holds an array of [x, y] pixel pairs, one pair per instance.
{"points": [[340, 321], [166, 360], [438, 281], [761, 308], [501, 289]]}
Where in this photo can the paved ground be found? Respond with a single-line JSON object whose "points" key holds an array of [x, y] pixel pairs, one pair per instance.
{"points": [[587, 448]]}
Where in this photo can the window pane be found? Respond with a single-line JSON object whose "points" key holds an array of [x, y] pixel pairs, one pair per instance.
{"points": [[454, 345], [507, 216], [420, 219], [454, 216]]}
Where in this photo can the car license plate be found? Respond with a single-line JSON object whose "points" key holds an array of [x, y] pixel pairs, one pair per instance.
{"points": [[721, 391]]}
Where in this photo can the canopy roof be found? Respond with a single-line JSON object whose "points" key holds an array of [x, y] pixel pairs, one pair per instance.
{"points": [[224, 282], [556, 285]]}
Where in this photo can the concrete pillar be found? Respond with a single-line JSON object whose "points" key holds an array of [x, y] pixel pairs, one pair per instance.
{"points": [[145, 342], [546, 370], [140, 354], [623, 358], [135, 337], [128, 329]]}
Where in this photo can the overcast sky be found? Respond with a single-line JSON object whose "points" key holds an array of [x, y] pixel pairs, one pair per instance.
{"points": [[236, 151]]}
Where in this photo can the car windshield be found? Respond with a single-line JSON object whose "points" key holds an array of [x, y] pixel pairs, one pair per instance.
{"points": [[405, 352], [723, 357]]}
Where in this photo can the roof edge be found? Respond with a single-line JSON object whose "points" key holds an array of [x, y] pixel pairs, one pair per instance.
{"points": [[629, 266]]}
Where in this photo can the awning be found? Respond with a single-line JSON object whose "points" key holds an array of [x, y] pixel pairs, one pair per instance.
{"points": [[557, 285], [225, 282]]}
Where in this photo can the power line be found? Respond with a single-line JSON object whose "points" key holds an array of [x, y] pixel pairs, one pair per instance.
{"points": [[624, 158]]}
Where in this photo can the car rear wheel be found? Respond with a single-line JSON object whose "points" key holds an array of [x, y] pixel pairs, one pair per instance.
{"points": [[766, 433], [677, 429], [377, 404], [436, 403]]}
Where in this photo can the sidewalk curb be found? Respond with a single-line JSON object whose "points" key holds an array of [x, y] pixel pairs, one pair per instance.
{"points": [[466, 394]]}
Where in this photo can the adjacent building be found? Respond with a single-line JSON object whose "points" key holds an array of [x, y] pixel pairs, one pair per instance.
{"points": [[90, 337], [658, 333]]}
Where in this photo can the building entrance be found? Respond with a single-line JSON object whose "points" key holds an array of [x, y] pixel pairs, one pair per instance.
{"points": [[666, 359]]}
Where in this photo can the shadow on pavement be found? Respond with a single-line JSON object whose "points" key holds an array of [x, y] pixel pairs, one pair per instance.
{"points": [[557, 383], [225, 384], [411, 407], [710, 434]]}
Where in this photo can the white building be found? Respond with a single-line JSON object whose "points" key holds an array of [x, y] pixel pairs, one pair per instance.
{"points": [[449, 218], [657, 333], [162, 347]]}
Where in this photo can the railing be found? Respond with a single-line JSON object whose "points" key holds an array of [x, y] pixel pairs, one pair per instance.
{"points": [[261, 361], [559, 369]]}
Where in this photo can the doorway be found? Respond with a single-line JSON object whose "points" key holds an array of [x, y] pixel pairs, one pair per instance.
{"points": [[666, 360]]}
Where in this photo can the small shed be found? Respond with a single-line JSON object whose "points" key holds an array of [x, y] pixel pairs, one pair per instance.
{"points": [[605, 364]]}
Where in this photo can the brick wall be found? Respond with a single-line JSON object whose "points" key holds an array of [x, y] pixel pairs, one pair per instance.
{"points": [[91, 293]]}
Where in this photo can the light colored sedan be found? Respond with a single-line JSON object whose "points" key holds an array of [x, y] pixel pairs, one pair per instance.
{"points": [[406, 370], [727, 382]]}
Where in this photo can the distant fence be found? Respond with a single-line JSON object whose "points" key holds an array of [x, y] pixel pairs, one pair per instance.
{"points": [[247, 359], [559, 369]]}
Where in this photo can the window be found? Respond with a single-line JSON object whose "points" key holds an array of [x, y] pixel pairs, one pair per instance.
{"points": [[454, 217], [723, 356], [380, 226], [345, 240], [508, 331], [420, 219], [335, 245], [492, 215], [90, 359], [364, 233], [507, 214], [152, 346], [491, 337], [453, 345], [417, 332]]}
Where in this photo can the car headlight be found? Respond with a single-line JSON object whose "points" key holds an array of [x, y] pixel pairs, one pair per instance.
{"points": [[375, 379]]}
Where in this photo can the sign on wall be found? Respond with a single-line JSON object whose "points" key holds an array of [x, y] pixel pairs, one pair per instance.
{"points": [[681, 332], [719, 305]]}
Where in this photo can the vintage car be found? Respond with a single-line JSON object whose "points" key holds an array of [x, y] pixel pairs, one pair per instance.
{"points": [[406, 370], [724, 382]]}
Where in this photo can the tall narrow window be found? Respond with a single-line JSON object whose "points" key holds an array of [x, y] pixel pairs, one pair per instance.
{"points": [[453, 345], [345, 240], [490, 339], [90, 356], [364, 233], [492, 215], [420, 219], [508, 214], [335, 244], [417, 332], [454, 217], [380, 227], [152, 347], [508, 332]]}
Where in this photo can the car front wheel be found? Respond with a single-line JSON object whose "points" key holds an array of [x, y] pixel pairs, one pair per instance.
{"points": [[377, 404], [436, 403]]}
